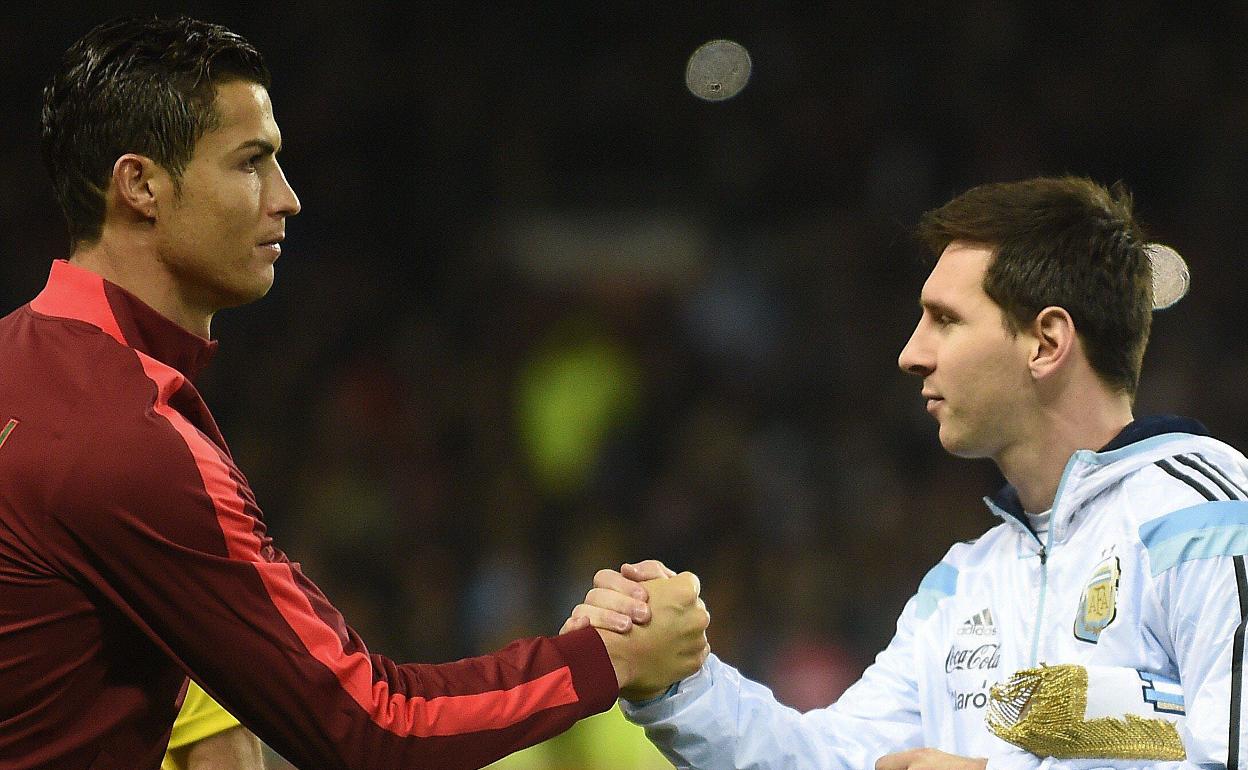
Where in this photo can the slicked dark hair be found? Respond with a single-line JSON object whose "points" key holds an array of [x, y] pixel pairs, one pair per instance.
{"points": [[145, 86], [1065, 242]]}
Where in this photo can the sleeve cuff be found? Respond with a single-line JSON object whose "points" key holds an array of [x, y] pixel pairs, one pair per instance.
{"points": [[643, 703], [677, 697], [593, 676]]}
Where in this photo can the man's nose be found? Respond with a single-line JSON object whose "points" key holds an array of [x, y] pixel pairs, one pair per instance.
{"points": [[285, 202], [914, 358]]}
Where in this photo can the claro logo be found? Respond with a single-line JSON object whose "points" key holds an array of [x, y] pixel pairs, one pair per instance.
{"points": [[981, 658]]}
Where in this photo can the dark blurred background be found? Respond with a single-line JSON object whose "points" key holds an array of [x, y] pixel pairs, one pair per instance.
{"points": [[544, 311]]}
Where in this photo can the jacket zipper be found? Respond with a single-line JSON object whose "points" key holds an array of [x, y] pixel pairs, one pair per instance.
{"points": [[1044, 589]]}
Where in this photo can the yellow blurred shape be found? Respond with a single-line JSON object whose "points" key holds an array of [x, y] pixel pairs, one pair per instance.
{"points": [[603, 742], [570, 395]]}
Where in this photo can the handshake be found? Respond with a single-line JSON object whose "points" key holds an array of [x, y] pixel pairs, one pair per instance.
{"points": [[653, 624]]}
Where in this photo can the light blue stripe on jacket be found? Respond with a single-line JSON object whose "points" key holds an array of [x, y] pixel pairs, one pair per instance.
{"points": [[1218, 528], [939, 582]]}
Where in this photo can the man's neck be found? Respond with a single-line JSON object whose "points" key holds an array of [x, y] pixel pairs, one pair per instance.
{"points": [[1035, 468], [146, 279]]}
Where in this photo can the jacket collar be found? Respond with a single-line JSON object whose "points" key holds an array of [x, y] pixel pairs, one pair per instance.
{"points": [[79, 294], [1005, 502]]}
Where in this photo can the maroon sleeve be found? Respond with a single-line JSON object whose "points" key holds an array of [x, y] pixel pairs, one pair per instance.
{"points": [[168, 532]]}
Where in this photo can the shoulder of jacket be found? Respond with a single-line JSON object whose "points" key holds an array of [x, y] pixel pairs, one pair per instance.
{"points": [[942, 579], [1189, 505], [1191, 473]]}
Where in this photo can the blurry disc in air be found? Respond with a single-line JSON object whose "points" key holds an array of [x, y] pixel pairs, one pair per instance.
{"points": [[718, 70], [1171, 278]]}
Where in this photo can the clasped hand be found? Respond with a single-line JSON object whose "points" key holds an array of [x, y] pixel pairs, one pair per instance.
{"points": [[653, 623]]}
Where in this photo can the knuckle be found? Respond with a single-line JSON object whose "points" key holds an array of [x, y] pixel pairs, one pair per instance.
{"points": [[603, 597], [681, 592], [603, 577]]}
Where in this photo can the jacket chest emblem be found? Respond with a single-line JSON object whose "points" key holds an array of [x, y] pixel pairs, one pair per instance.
{"points": [[1098, 605]]}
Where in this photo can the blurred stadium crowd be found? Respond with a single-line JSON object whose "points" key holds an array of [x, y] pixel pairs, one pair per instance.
{"points": [[544, 311]]}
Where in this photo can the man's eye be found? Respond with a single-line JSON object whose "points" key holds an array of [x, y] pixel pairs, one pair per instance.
{"points": [[943, 320]]}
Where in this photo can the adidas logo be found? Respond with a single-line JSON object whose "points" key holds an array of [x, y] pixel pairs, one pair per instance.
{"points": [[981, 624]]}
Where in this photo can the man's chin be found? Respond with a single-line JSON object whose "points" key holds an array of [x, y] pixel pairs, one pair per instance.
{"points": [[245, 293], [960, 445]]}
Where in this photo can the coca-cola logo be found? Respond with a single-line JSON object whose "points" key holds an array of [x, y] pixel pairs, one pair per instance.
{"points": [[981, 658]]}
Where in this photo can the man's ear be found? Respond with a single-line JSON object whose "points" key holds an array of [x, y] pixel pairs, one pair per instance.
{"points": [[140, 184], [1055, 339]]}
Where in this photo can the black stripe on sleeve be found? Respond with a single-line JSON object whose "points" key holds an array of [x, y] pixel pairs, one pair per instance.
{"points": [[1203, 471], [1243, 493], [1193, 483], [1237, 665]]}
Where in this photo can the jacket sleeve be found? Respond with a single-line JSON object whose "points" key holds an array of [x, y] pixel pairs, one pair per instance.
{"points": [[1196, 560], [718, 719], [1196, 557], [156, 520]]}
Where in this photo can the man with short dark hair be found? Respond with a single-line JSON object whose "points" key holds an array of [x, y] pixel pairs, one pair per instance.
{"points": [[1121, 552], [132, 550]]}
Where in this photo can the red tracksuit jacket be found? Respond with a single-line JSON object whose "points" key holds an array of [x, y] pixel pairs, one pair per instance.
{"points": [[132, 553]]}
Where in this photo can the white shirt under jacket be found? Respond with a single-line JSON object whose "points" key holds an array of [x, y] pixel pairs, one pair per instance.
{"points": [[1156, 524]]}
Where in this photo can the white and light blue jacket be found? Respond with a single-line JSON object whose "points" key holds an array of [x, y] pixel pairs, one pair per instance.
{"points": [[1142, 567]]}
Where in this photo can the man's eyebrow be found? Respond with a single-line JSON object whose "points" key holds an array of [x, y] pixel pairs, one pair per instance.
{"points": [[264, 146], [935, 307]]}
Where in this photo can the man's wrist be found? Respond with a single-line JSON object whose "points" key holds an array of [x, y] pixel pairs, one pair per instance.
{"points": [[645, 699]]}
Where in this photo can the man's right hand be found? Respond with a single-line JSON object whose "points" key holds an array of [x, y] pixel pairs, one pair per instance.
{"points": [[663, 621]]}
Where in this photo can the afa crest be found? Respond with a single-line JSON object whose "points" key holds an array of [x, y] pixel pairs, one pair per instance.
{"points": [[1098, 606]]}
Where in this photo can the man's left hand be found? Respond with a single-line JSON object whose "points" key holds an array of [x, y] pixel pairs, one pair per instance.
{"points": [[928, 759]]}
